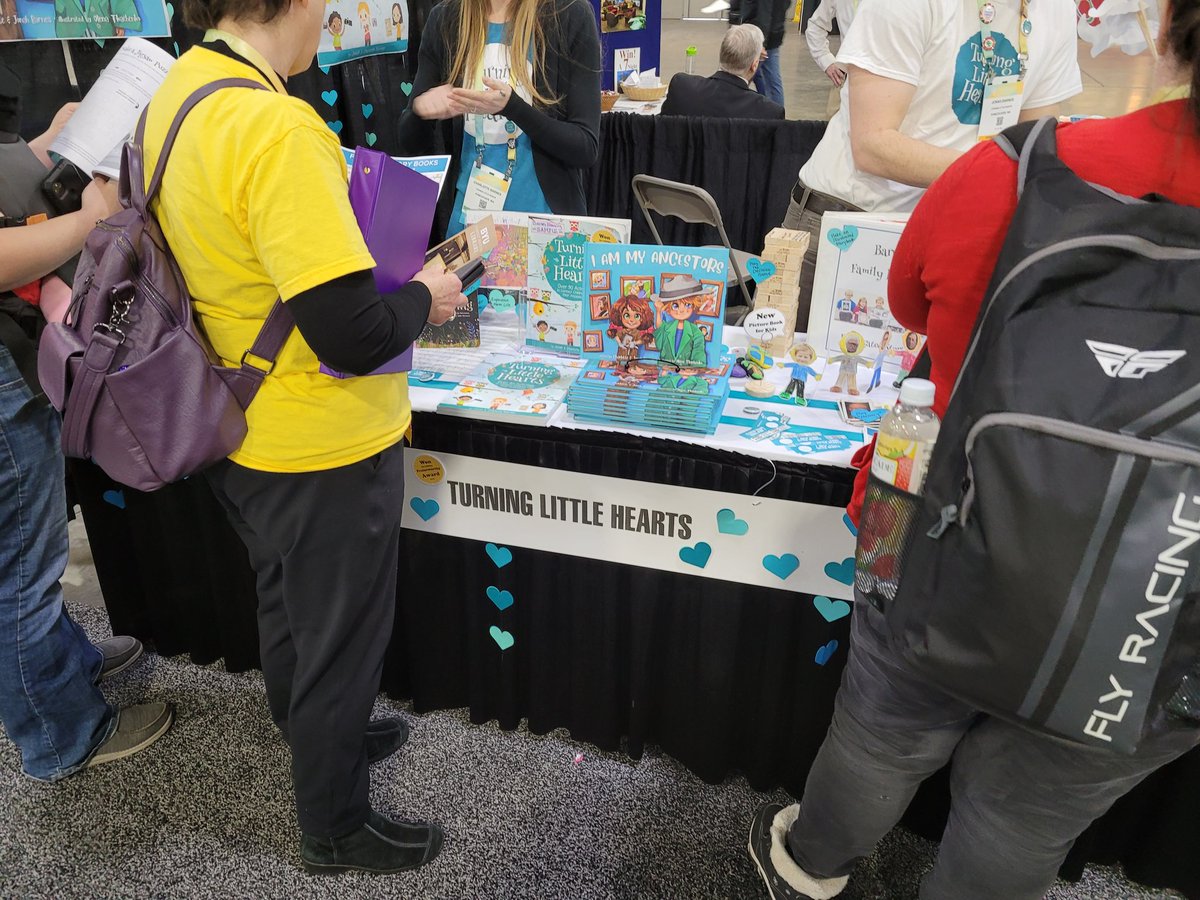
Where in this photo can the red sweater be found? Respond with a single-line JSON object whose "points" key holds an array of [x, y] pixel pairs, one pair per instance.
{"points": [[949, 249]]}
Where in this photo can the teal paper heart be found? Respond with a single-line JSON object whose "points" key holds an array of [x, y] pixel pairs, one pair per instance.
{"points": [[697, 556], [426, 509], [324, 69], [502, 599], [371, 139], [115, 498], [831, 610], [870, 416], [329, 97], [501, 301], [335, 127], [503, 639], [176, 45], [843, 238], [406, 86], [825, 653], [368, 108], [501, 556], [729, 523], [843, 571], [850, 524], [170, 11], [760, 270], [781, 566]]}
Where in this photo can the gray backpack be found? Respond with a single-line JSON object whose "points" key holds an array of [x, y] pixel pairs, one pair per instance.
{"points": [[140, 389]]}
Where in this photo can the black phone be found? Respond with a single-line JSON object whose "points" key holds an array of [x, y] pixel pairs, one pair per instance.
{"points": [[470, 273], [63, 187]]}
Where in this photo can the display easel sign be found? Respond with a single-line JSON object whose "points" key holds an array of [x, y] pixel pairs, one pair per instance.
{"points": [[83, 19], [353, 29], [854, 257]]}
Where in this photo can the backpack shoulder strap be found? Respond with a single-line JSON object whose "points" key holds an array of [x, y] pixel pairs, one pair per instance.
{"points": [[133, 184], [1032, 145]]}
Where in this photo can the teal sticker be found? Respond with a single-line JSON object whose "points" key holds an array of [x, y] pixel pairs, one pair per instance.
{"points": [[371, 139], [500, 301], [843, 238]]}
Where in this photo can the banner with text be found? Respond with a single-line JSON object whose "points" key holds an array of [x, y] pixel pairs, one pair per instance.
{"points": [[802, 547]]}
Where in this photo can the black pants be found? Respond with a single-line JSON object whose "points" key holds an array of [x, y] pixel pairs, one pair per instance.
{"points": [[325, 548]]}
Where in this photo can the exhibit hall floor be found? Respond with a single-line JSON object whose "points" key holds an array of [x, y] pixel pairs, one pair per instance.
{"points": [[1113, 83], [207, 811]]}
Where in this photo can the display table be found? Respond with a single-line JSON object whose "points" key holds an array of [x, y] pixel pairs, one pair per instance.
{"points": [[725, 677]]}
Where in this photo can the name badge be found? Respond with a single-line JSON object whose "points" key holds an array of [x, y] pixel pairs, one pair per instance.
{"points": [[1001, 105], [486, 190]]}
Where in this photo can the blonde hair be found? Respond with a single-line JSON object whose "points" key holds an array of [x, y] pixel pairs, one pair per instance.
{"points": [[524, 32]]}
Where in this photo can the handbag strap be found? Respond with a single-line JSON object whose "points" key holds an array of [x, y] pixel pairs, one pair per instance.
{"points": [[80, 403], [279, 322]]}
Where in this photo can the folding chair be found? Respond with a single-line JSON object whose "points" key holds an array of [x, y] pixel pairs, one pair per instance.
{"points": [[695, 205]]}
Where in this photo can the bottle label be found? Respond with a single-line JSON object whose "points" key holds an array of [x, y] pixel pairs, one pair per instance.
{"points": [[901, 462]]}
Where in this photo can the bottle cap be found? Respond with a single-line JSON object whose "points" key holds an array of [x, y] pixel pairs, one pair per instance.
{"points": [[690, 51], [917, 392]]}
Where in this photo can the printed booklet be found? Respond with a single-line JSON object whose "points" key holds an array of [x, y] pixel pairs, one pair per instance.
{"points": [[513, 387]]}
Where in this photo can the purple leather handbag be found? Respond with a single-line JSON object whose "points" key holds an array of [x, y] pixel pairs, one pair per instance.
{"points": [[140, 389]]}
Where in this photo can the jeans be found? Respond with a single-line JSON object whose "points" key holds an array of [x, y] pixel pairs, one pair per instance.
{"points": [[1019, 798], [769, 79], [49, 703], [325, 547]]}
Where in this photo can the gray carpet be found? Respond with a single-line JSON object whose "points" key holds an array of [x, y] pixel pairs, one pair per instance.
{"points": [[207, 812]]}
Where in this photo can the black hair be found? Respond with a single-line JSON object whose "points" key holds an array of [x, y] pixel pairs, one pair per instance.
{"points": [[1183, 39], [205, 14]]}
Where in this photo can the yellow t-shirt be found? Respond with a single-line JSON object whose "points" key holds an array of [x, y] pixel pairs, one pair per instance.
{"points": [[254, 206]]}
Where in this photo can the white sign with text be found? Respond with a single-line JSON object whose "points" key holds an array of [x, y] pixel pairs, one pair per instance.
{"points": [[803, 547]]}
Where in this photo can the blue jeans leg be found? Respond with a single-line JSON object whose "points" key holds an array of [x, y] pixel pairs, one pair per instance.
{"points": [[769, 77], [49, 704]]}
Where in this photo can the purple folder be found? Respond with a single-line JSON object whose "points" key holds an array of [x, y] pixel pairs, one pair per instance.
{"points": [[394, 206]]}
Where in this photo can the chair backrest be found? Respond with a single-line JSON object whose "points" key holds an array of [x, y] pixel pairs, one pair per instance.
{"points": [[690, 203]]}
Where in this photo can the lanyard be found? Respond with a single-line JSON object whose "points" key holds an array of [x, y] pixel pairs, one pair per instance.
{"points": [[480, 143], [987, 15]]}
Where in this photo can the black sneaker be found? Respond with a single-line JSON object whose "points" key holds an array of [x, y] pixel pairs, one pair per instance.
{"points": [[385, 737], [382, 846], [120, 653], [760, 852]]}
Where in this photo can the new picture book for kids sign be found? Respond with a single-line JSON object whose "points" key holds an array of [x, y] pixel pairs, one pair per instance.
{"points": [[854, 257], [655, 303], [556, 279]]}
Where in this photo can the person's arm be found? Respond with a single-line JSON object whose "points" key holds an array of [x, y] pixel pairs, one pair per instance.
{"points": [[878, 106], [30, 252], [352, 328], [817, 35], [40, 145], [574, 139], [1039, 112]]}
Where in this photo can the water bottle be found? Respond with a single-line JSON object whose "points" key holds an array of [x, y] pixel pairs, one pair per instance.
{"points": [[689, 64], [903, 447], [906, 438]]}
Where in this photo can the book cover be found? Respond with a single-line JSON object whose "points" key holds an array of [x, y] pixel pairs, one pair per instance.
{"points": [[462, 330], [513, 387], [655, 303], [854, 257], [555, 284]]}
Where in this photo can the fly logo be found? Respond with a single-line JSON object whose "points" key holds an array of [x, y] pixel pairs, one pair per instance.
{"points": [[1126, 362]]}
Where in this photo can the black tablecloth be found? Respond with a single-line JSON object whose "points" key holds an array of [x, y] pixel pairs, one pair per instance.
{"points": [[721, 676]]}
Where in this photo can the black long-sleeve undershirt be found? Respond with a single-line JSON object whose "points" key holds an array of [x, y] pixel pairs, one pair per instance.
{"points": [[353, 328]]}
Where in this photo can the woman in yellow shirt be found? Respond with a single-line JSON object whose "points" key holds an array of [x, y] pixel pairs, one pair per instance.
{"points": [[254, 206]]}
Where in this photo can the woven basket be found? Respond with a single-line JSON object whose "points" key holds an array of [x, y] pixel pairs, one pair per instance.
{"points": [[608, 99], [645, 93]]}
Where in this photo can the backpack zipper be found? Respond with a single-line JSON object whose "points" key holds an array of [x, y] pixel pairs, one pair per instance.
{"points": [[1071, 431], [157, 300]]}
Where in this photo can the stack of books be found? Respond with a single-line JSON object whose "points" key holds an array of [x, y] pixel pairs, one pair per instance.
{"points": [[654, 395]]}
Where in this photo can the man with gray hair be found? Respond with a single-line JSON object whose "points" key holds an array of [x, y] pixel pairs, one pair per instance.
{"points": [[727, 92]]}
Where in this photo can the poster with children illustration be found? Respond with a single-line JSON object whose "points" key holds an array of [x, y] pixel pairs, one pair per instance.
{"points": [[558, 297], [854, 257], [352, 29], [663, 305]]}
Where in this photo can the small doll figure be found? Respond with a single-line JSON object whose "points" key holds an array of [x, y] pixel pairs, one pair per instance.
{"points": [[877, 366], [912, 345], [803, 356], [847, 378]]}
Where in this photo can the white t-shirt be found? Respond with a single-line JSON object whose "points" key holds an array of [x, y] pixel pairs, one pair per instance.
{"points": [[821, 23], [935, 45]]}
